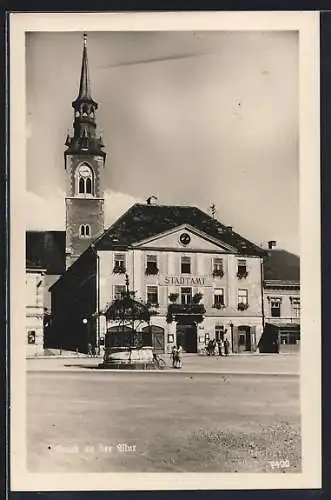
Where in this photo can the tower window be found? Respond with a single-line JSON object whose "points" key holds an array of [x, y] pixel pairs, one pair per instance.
{"points": [[88, 186], [84, 175], [84, 230]]}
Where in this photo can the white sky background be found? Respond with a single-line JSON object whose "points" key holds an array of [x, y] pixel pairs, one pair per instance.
{"points": [[193, 118]]}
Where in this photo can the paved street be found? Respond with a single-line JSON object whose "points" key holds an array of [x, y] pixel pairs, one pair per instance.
{"points": [[262, 363], [81, 420]]}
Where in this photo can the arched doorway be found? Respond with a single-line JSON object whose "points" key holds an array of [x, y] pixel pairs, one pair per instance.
{"points": [[156, 336], [186, 336]]}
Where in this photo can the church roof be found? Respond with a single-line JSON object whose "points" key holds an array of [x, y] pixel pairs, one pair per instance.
{"points": [[46, 249], [144, 221], [281, 265]]}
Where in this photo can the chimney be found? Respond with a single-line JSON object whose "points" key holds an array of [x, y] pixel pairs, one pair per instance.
{"points": [[152, 200], [271, 244]]}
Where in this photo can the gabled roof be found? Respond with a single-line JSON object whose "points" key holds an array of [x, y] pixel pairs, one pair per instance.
{"points": [[46, 249], [142, 221], [281, 265]]}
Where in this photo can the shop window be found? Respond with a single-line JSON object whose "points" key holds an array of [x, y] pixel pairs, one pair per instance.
{"points": [[152, 295], [218, 298], [186, 295], [31, 337], [119, 263], [218, 270], [289, 338], [119, 291], [151, 265], [275, 308], [185, 265]]}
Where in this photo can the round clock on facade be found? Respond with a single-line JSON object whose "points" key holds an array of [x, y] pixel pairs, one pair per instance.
{"points": [[84, 171], [185, 238]]}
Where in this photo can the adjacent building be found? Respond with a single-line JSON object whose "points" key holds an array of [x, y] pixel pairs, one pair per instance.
{"points": [[34, 310], [281, 301]]}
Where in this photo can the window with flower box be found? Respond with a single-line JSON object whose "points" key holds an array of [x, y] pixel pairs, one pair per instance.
{"points": [[151, 265], [242, 299], [152, 295], [218, 270], [118, 292], [119, 263], [218, 298], [242, 269]]}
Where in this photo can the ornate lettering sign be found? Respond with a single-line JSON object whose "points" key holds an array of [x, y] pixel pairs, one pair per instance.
{"points": [[185, 281]]}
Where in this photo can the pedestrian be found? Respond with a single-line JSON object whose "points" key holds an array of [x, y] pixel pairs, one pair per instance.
{"points": [[174, 356], [210, 348], [226, 347], [219, 345], [179, 356], [89, 350]]}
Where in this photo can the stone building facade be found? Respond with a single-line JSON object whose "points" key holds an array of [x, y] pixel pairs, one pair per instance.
{"points": [[171, 255]]}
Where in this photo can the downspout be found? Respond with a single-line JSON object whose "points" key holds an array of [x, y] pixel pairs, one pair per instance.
{"points": [[98, 300], [262, 295]]}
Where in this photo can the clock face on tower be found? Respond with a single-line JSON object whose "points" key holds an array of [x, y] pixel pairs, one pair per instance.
{"points": [[185, 238], [84, 171]]}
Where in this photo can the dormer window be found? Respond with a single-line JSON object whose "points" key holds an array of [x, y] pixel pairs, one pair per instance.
{"points": [[119, 263], [151, 265]]}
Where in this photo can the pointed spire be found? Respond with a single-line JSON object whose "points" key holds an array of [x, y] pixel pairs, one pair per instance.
{"points": [[84, 86]]}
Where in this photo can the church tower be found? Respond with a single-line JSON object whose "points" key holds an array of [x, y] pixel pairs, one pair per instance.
{"points": [[84, 164]]}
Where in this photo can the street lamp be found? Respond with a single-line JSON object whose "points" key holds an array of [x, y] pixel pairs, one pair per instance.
{"points": [[231, 327]]}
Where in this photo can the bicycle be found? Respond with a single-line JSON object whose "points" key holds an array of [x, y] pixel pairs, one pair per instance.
{"points": [[158, 361]]}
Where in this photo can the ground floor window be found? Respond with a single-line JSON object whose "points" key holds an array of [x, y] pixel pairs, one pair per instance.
{"points": [[186, 295], [289, 338], [219, 332]]}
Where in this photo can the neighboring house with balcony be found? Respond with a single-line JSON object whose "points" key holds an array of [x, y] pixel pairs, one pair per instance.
{"points": [[202, 280], [281, 301]]}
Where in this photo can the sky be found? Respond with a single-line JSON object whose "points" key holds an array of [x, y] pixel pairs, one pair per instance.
{"points": [[194, 118]]}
